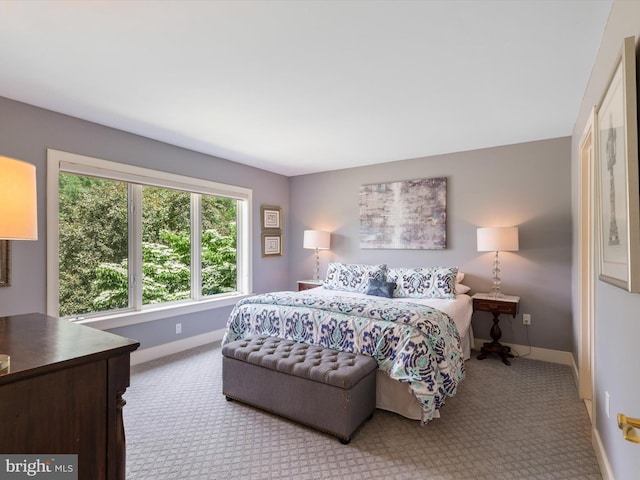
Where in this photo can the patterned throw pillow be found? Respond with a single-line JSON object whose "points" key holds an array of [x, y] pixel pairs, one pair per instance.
{"points": [[352, 277], [430, 282], [380, 288]]}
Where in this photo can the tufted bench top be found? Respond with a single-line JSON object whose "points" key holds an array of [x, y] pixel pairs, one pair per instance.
{"points": [[339, 369]]}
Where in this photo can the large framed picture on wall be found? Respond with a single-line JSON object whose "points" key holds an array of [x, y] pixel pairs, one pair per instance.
{"points": [[617, 174]]}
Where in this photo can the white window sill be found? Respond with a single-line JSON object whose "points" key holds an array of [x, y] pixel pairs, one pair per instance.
{"points": [[151, 313]]}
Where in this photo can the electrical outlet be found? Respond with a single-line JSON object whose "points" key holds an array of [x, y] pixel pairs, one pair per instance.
{"points": [[178, 328], [526, 319]]}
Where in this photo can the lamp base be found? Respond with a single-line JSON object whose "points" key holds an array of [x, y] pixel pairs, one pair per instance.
{"points": [[496, 289], [316, 267]]}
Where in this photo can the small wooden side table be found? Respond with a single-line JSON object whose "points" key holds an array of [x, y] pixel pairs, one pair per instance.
{"points": [[308, 284], [487, 302]]}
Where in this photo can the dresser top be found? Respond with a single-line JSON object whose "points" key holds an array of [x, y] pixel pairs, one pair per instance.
{"points": [[39, 344], [491, 296]]}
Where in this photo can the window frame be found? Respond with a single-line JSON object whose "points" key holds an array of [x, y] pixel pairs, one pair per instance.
{"points": [[59, 161]]}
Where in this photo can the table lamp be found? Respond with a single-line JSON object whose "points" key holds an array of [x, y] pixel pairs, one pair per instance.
{"points": [[497, 239], [317, 240], [18, 210]]}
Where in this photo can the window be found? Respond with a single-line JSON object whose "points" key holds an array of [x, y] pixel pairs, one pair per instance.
{"points": [[92, 245], [130, 240]]}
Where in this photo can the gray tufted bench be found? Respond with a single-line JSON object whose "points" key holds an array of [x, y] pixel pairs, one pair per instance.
{"points": [[332, 391]]}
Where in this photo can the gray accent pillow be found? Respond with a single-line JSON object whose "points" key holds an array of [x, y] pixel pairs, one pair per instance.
{"points": [[380, 288]]}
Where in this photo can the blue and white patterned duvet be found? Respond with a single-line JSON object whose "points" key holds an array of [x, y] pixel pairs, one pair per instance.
{"points": [[412, 343]]}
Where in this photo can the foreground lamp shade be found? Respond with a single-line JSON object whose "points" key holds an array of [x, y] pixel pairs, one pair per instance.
{"points": [[18, 200], [497, 239]]}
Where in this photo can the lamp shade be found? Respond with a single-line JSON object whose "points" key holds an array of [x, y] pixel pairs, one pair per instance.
{"points": [[498, 239], [317, 239], [18, 200]]}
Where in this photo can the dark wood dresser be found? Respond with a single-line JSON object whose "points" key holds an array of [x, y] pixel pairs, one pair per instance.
{"points": [[63, 392]]}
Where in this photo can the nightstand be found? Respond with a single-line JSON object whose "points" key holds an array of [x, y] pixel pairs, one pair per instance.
{"points": [[308, 284], [487, 302]]}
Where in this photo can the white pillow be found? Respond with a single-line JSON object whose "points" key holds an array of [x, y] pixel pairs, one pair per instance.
{"points": [[430, 282], [352, 277]]}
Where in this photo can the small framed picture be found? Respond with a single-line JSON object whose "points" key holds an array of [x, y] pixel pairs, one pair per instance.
{"points": [[271, 244], [271, 218]]}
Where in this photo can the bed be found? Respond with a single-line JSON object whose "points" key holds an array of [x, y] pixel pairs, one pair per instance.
{"points": [[415, 323]]}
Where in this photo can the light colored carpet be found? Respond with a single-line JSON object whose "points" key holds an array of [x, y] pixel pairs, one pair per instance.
{"points": [[518, 422]]}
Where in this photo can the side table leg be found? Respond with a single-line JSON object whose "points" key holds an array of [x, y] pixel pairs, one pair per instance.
{"points": [[496, 332], [506, 354], [495, 346]]}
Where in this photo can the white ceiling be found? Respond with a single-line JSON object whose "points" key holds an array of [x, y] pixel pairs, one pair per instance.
{"points": [[308, 86]]}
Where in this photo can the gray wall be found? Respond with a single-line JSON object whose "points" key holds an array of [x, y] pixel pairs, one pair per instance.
{"points": [[26, 132], [526, 185], [617, 322]]}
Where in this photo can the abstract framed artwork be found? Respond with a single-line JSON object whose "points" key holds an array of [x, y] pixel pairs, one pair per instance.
{"points": [[271, 244], [4, 263], [404, 215], [271, 218], [617, 173]]}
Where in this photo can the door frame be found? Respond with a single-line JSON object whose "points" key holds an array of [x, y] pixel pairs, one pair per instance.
{"points": [[586, 263]]}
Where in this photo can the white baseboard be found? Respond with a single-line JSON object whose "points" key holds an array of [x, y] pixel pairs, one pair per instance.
{"points": [[601, 455], [534, 353], [148, 354], [576, 372]]}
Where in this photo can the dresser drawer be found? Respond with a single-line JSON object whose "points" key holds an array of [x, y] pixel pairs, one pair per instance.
{"points": [[495, 306]]}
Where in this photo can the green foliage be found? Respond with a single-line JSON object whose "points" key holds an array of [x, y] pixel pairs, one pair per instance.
{"points": [[92, 231], [94, 245], [111, 286], [219, 261]]}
